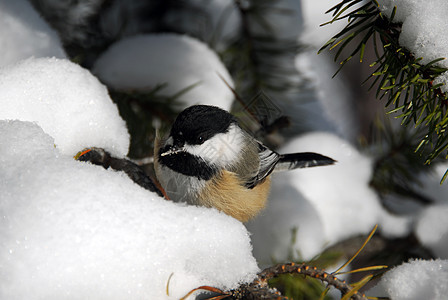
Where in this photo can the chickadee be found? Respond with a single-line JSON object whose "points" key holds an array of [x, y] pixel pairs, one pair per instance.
{"points": [[209, 160]]}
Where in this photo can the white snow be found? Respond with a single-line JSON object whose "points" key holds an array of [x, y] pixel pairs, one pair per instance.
{"points": [[424, 28], [341, 192], [71, 230], [68, 103], [431, 183], [442, 79], [432, 229], [404, 8], [325, 204], [314, 15], [415, 280], [23, 33], [429, 222], [333, 96], [290, 227], [146, 61]]}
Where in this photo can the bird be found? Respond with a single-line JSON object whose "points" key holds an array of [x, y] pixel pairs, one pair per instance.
{"points": [[209, 160]]}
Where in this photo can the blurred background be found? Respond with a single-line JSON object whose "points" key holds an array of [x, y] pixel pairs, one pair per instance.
{"points": [[258, 59]]}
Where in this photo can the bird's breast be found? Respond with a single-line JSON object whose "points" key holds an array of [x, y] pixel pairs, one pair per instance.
{"points": [[227, 193]]}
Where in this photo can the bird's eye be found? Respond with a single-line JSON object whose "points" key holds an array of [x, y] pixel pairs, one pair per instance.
{"points": [[200, 140]]}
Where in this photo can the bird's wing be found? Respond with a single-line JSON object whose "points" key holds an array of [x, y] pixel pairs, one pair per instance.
{"points": [[302, 160], [268, 160], [272, 161]]}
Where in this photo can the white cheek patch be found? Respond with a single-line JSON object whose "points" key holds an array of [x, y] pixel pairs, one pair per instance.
{"points": [[222, 149]]}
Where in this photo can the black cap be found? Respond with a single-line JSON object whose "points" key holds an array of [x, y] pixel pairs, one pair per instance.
{"points": [[198, 123]]}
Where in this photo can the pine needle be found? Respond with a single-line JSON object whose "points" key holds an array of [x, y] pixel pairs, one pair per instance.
{"points": [[365, 269], [357, 252], [324, 293], [206, 288], [168, 284], [356, 287]]}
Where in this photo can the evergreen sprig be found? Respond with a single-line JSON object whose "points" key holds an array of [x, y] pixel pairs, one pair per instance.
{"points": [[401, 78], [396, 165]]}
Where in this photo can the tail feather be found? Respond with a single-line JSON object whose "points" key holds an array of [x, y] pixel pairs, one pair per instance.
{"points": [[302, 160]]}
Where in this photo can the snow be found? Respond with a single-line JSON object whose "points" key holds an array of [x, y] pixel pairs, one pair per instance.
{"points": [[432, 229], [23, 33], [424, 28], [404, 8], [314, 16], [67, 101], [442, 79], [415, 280], [146, 61], [325, 204], [332, 95], [289, 228], [429, 223], [431, 183], [72, 230], [431, 226]]}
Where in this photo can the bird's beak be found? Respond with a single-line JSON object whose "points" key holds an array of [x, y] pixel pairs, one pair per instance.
{"points": [[172, 150]]}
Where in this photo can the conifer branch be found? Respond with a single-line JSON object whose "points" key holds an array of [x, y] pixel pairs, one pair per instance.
{"points": [[400, 78]]}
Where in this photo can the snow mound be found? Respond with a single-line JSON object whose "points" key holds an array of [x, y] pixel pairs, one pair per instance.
{"points": [[424, 28], [416, 280], [432, 229], [181, 62], [68, 102], [290, 228], [324, 204], [341, 192], [23, 33], [72, 230]]}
